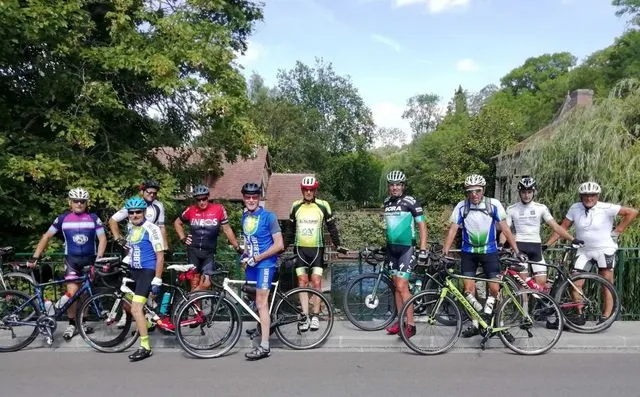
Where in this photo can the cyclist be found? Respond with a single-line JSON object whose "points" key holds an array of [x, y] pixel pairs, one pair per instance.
{"points": [[401, 212], [525, 217], [306, 223], [80, 229], [154, 212], [144, 240], [594, 224], [478, 216], [205, 220], [262, 244]]}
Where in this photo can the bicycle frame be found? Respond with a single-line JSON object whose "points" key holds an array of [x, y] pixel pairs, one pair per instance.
{"points": [[226, 286]]}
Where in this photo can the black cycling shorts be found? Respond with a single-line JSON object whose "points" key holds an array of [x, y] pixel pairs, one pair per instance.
{"points": [[400, 257], [73, 265], [532, 250], [310, 257], [143, 278], [204, 261], [489, 262]]}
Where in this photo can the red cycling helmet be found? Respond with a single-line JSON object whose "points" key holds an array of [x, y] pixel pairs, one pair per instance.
{"points": [[309, 182]]}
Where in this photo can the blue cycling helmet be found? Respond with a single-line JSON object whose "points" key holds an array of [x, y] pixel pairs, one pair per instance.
{"points": [[200, 190], [135, 203]]}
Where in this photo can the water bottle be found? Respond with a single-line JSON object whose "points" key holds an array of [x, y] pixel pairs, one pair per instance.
{"points": [[164, 306], [48, 308], [488, 306], [417, 286], [532, 284], [474, 302], [63, 300]]}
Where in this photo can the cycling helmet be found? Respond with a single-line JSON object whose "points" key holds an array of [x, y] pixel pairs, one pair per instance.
{"points": [[135, 203], [78, 193], [589, 188], [309, 182], [396, 176], [527, 183], [150, 183], [251, 188], [475, 180], [200, 190]]}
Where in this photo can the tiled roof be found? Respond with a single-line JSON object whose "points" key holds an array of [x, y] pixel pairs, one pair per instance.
{"points": [[228, 186], [284, 189]]}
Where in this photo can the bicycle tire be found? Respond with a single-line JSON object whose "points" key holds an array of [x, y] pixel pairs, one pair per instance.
{"points": [[93, 312], [287, 311], [8, 307], [431, 317], [522, 319], [592, 324], [225, 310], [17, 281], [434, 284], [360, 305]]}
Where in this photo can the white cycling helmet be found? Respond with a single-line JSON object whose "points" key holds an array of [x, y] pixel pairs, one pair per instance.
{"points": [[396, 176], [589, 188], [475, 180], [78, 193]]}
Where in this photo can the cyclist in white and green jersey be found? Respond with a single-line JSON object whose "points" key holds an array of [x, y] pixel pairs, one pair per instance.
{"points": [[401, 213], [477, 216]]}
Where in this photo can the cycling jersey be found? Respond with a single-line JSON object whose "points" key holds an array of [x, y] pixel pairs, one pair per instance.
{"points": [[400, 213], [154, 213], [594, 225], [479, 227], [79, 232], [258, 228], [205, 225], [307, 219], [526, 220], [144, 241]]}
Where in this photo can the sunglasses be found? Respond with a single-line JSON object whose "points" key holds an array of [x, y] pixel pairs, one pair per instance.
{"points": [[202, 198], [79, 201], [135, 212], [473, 191], [151, 192], [251, 197]]}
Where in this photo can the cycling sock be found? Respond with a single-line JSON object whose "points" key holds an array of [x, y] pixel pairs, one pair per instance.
{"points": [[72, 321], [265, 345], [144, 342]]}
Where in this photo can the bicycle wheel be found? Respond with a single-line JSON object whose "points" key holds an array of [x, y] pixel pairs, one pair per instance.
{"points": [[101, 313], [366, 310], [208, 325], [17, 281], [18, 326], [584, 307], [298, 306], [524, 315], [433, 336]]}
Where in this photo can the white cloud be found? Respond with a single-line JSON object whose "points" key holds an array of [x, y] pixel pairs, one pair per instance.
{"points": [[254, 52], [388, 114], [435, 6], [467, 65], [389, 42]]}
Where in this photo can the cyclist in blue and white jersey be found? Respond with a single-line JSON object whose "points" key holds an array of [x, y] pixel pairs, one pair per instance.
{"points": [[478, 216], [262, 243], [144, 240], [80, 229]]}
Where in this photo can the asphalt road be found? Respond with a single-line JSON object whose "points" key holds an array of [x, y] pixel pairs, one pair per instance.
{"points": [[44, 372]]}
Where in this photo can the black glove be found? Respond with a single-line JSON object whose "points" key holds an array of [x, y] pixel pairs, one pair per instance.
{"points": [[577, 243], [121, 241], [544, 247], [342, 250], [423, 256], [522, 257]]}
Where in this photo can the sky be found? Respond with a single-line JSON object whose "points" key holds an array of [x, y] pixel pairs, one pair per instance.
{"points": [[394, 49]]}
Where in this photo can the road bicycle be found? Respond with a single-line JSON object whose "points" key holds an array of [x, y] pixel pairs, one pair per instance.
{"points": [[519, 319], [11, 278], [211, 324]]}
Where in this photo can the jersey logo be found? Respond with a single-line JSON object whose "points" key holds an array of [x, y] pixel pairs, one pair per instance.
{"points": [[250, 224], [80, 239], [393, 208], [204, 222]]}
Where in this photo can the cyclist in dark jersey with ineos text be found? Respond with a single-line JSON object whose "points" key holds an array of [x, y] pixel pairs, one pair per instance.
{"points": [[401, 212], [205, 220]]}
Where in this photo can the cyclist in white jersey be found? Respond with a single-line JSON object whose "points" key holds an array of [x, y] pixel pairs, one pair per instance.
{"points": [[525, 218], [594, 224]]}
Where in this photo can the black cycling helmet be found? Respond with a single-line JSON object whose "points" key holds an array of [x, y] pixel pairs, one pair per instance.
{"points": [[527, 183], [251, 188], [150, 183]]}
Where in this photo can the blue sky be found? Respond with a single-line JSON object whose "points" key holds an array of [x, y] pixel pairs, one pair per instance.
{"points": [[394, 49]]}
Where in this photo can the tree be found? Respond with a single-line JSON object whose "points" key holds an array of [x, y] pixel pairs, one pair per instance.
{"points": [[477, 100], [333, 108], [354, 177], [537, 70], [458, 104], [423, 114], [88, 88], [628, 7], [391, 137]]}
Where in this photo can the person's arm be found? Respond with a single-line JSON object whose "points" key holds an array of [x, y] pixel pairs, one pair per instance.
{"points": [[559, 230], [628, 215], [231, 236], [102, 244], [566, 224], [178, 225], [506, 232], [424, 235], [165, 239], [290, 228], [274, 249], [159, 263], [115, 230], [42, 245]]}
